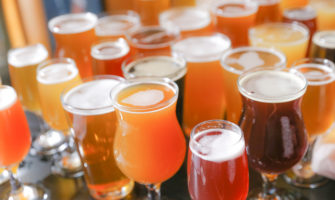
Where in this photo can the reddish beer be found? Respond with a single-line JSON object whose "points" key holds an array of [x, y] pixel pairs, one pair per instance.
{"points": [[217, 162]]}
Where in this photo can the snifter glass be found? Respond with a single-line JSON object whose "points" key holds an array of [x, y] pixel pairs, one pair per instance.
{"points": [[272, 123], [318, 109]]}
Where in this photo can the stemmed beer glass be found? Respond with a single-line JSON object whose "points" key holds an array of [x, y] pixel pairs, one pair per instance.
{"points": [[272, 123]]}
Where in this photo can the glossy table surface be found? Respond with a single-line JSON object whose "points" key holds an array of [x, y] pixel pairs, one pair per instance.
{"points": [[36, 169]]}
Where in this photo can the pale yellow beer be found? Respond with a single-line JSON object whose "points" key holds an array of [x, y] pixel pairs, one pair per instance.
{"points": [[22, 68], [325, 10], [53, 77]]}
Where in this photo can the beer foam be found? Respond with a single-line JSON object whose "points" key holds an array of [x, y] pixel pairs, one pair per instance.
{"points": [[267, 2], [235, 8], [247, 60], [317, 74], [145, 98], [325, 39], [202, 49], [57, 73], [73, 23], [115, 24], [90, 98], [27, 56], [156, 66], [7, 97], [301, 14], [185, 19], [218, 148], [272, 86], [110, 50]]}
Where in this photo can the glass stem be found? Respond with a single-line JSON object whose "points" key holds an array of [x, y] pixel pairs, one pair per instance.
{"points": [[154, 191], [16, 185], [269, 189]]}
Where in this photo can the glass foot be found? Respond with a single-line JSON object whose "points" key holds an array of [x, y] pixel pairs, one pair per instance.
{"points": [[113, 192], [68, 165], [4, 176], [49, 143], [26, 192], [278, 194], [311, 181]]}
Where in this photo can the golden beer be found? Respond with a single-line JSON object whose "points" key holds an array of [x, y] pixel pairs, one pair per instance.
{"points": [[22, 68]]}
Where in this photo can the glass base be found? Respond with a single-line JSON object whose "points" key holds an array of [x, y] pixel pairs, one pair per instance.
{"points": [[49, 143], [279, 194], [67, 165], [26, 192], [4, 176], [312, 181], [112, 193]]}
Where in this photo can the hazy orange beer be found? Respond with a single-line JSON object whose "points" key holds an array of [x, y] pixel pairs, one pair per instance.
{"points": [[108, 56], [149, 10], [116, 24], [191, 21], [234, 18], [149, 143], [150, 39], [93, 118], [22, 69], [236, 61], [268, 11], [287, 4], [204, 93], [74, 35], [325, 10]]}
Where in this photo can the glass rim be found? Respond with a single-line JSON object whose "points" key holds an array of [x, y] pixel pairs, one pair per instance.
{"points": [[89, 15], [319, 41], [133, 60], [281, 64], [139, 81], [288, 13], [295, 25], [119, 42], [211, 123], [317, 61], [171, 29], [250, 3], [282, 99], [92, 111]]}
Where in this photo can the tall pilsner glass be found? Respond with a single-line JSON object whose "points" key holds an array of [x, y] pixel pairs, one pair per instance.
{"points": [[272, 123], [149, 144], [318, 109]]}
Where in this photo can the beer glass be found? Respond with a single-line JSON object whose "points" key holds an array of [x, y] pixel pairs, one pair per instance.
{"points": [[236, 61], [216, 152], [325, 10], [108, 56], [234, 18], [149, 10], [204, 93], [145, 66], [74, 36], [290, 38], [53, 76], [268, 11], [115, 24], [273, 125], [149, 39], [191, 21], [318, 110], [149, 144], [323, 45], [92, 115], [15, 144]]}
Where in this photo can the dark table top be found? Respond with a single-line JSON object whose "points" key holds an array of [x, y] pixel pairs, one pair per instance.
{"points": [[36, 169]]}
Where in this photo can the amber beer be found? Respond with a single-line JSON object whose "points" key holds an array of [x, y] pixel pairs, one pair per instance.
{"points": [[323, 45], [93, 118], [23, 63], [74, 35], [149, 10], [161, 67], [108, 56], [268, 11]]}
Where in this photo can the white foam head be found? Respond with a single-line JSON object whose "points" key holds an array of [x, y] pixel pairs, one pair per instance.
{"points": [[223, 146], [145, 98], [109, 50], [57, 73], [116, 24], [325, 39], [73, 23], [272, 86], [202, 49], [27, 56], [156, 66], [186, 19], [267, 2], [8, 97], [235, 8], [91, 98], [305, 13]]}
